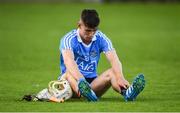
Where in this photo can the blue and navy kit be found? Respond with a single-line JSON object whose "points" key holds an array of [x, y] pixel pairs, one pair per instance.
{"points": [[86, 56]]}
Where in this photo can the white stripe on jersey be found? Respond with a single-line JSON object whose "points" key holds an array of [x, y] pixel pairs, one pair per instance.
{"points": [[70, 41], [106, 39], [67, 39], [110, 43]]}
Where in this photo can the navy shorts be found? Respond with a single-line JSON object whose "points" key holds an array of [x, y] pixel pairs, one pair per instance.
{"points": [[89, 80]]}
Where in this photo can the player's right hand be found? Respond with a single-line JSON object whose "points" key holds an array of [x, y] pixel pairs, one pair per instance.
{"points": [[86, 91]]}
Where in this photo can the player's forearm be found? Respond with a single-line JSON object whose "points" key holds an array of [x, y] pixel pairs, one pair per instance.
{"points": [[116, 65], [117, 68], [70, 64], [72, 68]]}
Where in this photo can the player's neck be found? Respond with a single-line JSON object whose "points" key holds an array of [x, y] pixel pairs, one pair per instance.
{"points": [[87, 42]]}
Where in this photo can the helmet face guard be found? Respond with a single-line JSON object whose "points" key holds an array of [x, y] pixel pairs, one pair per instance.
{"points": [[60, 89]]}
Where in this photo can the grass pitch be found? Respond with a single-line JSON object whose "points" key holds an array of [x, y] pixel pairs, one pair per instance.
{"points": [[146, 38]]}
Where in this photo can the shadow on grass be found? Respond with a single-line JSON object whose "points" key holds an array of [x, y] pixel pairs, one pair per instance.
{"points": [[140, 99], [105, 99]]}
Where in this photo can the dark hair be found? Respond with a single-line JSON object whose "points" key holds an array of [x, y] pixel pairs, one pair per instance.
{"points": [[90, 18]]}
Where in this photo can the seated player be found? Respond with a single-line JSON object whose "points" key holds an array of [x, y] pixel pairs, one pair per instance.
{"points": [[80, 53]]}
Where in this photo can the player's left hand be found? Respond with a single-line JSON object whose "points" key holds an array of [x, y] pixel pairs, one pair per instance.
{"points": [[123, 83]]}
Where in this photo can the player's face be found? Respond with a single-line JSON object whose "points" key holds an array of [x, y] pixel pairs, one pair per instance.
{"points": [[86, 33]]}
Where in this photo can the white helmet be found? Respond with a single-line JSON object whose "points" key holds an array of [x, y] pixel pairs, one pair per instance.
{"points": [[60, 89]]}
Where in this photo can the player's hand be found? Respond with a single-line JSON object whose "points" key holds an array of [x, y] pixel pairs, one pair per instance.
{"points": [[86, 91], [123, 83]]}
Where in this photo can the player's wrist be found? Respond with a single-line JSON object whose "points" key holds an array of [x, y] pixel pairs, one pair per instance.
{"points": [[81, 79]]}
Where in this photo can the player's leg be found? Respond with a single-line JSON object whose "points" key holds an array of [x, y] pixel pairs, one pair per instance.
{"points": [[103, 82], [73, 83], [80, 87]]}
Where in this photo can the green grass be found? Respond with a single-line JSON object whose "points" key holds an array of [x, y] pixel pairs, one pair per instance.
{"points": [[146, 37]]}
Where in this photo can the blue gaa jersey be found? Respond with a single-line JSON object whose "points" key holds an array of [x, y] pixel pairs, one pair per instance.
{"points": [[86, 56]]}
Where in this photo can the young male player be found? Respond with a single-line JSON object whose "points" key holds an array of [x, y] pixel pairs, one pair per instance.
{"points": [[80, 53]]}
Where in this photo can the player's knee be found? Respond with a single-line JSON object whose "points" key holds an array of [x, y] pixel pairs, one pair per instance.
{"points": [[67, 76], [107, 79], [109, 74]]}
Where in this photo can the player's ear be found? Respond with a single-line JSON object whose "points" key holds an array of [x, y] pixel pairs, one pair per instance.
{"points": [[79, 23]]}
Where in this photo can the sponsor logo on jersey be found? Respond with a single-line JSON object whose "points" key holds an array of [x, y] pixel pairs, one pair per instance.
{"points": [[85, 65]]}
